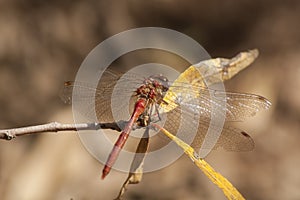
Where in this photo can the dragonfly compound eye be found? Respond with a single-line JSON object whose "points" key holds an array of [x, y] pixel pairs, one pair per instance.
{"points": [[162, 81]]}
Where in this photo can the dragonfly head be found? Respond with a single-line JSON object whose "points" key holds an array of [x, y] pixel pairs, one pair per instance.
{"points": [[162, 80]]}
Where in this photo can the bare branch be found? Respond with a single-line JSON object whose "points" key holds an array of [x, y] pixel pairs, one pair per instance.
{"points": [[9, 134]]}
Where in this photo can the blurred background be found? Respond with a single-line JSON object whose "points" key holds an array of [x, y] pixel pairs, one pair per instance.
{"points": [[42, 44]]}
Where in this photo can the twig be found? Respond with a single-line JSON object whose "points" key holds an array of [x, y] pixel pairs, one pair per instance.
{"points": [[9, 134]]}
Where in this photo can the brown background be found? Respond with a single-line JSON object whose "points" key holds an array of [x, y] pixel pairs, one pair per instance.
{"points": [[42, 44]]}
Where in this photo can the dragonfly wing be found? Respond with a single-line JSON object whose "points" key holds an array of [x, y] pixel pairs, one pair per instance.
{"points": [[241, 105], [193, 131], [209, 103], [103, 99], [231, 138]]}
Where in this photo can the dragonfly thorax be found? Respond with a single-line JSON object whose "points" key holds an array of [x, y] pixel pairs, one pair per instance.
{"points": [[153, 88], [152, 91]]}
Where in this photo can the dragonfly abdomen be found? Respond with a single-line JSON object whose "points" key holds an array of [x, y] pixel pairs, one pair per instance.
{"points": [[140, 106]]}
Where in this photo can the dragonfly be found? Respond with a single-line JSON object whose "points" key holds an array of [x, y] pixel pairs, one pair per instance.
{"points": [[155, 96]]}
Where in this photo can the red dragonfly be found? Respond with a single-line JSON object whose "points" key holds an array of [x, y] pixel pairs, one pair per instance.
{"points": [[189, 95]]}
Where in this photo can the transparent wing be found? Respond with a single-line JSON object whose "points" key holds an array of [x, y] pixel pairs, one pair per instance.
{"points": [[233, 106], [238, 105], [193, 131], [113, 87]]}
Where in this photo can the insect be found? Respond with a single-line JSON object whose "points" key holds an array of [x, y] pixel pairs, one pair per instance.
{"points": [[189, 96]]}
